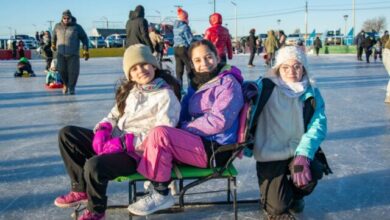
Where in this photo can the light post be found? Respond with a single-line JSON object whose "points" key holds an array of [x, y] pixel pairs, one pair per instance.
{"points": [[106, 19], [235, 10], [278, 21], [345, 27]]}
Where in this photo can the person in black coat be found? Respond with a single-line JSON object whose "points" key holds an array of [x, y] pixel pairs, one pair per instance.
{"points": [[137, 28], [252, 46], [368, 43], [359, 39]]}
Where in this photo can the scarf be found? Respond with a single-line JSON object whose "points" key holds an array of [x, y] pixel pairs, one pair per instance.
{"points": [[294, 89], [198, 79], [157, 83]]}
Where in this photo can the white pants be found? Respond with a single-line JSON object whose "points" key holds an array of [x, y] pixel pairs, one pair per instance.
{"points": [[386, 62]]}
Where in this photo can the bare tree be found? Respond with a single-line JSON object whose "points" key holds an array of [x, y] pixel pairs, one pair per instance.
{"points": [[375, 24]]}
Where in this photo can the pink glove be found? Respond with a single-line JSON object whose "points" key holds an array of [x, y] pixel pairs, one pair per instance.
{"points": [[102, 135], [119, 144], [301, 171]]}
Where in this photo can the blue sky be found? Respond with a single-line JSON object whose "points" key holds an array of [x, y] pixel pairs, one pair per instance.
{"points": [[28, 16]]}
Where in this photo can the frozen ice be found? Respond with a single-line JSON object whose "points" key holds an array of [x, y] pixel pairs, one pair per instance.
{"points": [[358, 143]]}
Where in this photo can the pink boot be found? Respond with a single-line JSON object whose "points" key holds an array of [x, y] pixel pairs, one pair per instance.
{"points": [[71, 199], [88, 215]]}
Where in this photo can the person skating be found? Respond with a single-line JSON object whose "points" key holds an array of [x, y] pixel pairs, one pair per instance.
{"points": [[66, 38], [182, 38], [220, 37]]}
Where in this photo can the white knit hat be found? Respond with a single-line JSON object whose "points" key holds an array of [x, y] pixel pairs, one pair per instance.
{"points": [[136, 54], [290, 53]]}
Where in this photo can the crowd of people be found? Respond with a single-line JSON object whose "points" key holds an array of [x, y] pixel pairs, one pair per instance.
{"points": [[150, 126]]}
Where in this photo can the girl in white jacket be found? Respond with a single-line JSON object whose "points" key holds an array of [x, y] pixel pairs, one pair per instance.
{"points": [[148, 97]]}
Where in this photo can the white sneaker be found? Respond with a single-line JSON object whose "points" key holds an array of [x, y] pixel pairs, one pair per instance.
{"points": [[148, 187], [150, 203]]}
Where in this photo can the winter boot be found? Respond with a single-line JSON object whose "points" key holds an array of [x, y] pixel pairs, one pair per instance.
{"points": [[71, 199], [297, 206], [284, 216], [150, 203], [88, 215]]}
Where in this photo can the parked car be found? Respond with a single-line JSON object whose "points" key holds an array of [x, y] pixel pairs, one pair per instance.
{"points": [[96, 41], [333, 37], [29, 42], [116, 40], [197, 37], [292, 39]]}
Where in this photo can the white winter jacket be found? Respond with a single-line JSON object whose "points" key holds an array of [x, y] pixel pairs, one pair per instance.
{"points": [[144, 111]]}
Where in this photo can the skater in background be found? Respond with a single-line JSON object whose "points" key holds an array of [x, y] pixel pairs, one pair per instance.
{"points": [[252, 39], [21, 49], [182, 38], [66, 39], [220, 37], [147, 97], [24, 68], [271, 45], [317, 45], [46, 47]]}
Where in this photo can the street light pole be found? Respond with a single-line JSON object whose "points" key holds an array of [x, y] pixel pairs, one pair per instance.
{"points": [[159, 14], [105, 18], [278, 21], [235, 9], [345, 27]]}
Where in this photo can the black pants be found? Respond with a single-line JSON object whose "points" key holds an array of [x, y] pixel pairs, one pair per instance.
{"points": [[359, 53], [368, 52], [277, 188], [69, 69], [87, 171], [252, 55], [182, 61], [48, 63], [317, 50]]}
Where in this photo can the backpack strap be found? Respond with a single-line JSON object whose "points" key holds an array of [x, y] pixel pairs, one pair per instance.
{"points": [[266, 92]]}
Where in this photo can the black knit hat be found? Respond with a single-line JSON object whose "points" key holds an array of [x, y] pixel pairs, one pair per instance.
{"points": [[67, 13]]}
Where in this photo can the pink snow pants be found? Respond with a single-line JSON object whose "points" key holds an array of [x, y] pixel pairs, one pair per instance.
{"points": [[165, 145]]}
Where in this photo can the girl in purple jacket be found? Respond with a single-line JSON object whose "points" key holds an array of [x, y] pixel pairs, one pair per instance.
{"points": [[209, 119]]}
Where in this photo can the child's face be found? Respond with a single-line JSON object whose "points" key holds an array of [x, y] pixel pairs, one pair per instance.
{"points": [[291, 71], [142, 73], [203, 59]]}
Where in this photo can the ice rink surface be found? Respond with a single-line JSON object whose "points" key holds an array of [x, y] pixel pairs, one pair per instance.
{"points": [[357, 146]]}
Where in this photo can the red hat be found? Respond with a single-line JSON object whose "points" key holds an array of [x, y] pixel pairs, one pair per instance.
{"points": [[182, 15]]}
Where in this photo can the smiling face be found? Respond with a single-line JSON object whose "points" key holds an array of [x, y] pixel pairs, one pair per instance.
{"points": [[204, 59], [291, 71], [142, 73]]}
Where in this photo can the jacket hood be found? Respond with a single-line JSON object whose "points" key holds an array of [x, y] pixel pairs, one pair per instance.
{"points": [[215, 19], [139, 12], [231, 70], [131, 14]]}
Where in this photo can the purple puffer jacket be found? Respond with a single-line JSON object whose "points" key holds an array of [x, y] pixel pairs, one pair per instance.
{"points": [[212, 111]]}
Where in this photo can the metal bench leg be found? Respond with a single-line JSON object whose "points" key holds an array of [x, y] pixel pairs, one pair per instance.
{"points": [[235, 198], [228, 189]]}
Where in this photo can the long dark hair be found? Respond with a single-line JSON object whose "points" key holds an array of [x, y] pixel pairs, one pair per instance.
{"points": [[204, 42], [125, 86]]}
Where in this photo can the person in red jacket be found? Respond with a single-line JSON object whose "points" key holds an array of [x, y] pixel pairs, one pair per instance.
{"points": [[220, 37]]}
